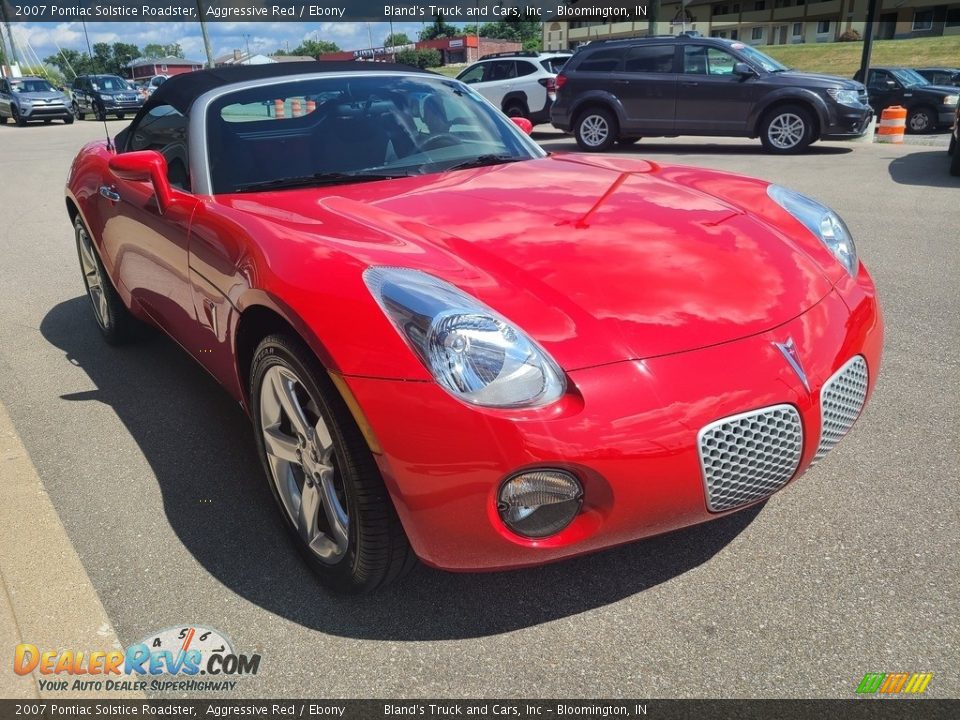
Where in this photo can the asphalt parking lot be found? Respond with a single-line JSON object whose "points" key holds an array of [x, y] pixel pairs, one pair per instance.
{"points": [[152, 472]]}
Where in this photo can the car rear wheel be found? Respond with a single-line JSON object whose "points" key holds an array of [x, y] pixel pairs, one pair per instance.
{"points": [[114, 320], [596, 130], [99, 112], [68, 120], [120, 116], [787, 129], [515, 109], [322, 475], [920, 120]]}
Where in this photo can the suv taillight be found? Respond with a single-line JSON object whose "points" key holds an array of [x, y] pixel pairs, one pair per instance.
{"points": [[560, 81]]}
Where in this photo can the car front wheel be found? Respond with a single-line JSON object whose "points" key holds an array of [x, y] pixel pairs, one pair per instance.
{"points": [[322, 474], [920, 120], [113, 318], [596, 130], [787, 129], [17, 118]]}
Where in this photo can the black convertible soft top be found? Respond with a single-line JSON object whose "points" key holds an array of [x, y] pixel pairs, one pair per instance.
{"points": [[181, 90]]}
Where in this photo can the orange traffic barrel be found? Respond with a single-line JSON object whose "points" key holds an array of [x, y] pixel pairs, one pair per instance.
{"points": [[295, 107], [278, 109], [893, 124]]}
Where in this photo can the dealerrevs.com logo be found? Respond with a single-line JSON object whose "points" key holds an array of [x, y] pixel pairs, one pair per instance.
{"points": [[894, 683], [170, 660]]}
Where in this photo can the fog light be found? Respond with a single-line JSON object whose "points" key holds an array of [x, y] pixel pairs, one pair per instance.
{"points": [[539, 503]]}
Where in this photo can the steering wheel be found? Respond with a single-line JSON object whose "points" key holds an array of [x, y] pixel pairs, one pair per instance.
{"points": [[439, 140]]}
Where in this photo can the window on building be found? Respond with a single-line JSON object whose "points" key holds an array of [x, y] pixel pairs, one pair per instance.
{"points": [[760, 5], [721, 9], [923, 20], [798, 29], [757, 33], [953, 17], [823, 27], [734, 34]]}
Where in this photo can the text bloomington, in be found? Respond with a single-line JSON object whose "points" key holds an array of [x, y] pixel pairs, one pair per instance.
{"points": [[559, 12]]}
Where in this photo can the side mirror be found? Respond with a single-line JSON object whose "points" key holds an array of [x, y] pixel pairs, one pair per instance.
{"points": [[890, 83], [145, 166], [523, 124], [743, 70]]}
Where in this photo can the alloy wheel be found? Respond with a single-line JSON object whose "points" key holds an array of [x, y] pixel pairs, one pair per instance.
{"points": [[594, 130], [786, 131], [919, 122], [303, 465], [92, 277]]}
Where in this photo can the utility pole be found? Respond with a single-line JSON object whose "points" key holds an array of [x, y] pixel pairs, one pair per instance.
{"points": [[206, 38], [653, 12], [868, 40]]}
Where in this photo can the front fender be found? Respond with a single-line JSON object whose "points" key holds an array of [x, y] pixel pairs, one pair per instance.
{"points": [[800, 96]]}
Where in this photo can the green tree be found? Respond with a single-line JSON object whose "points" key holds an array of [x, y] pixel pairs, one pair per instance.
{"points": [[396, 39], [438, 29], [158, 50], [315, 47], [419, 58], [521, 30], [70, 62]]}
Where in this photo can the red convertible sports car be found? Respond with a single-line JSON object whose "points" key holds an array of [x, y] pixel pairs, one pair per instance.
{"points": [[457, 347]]}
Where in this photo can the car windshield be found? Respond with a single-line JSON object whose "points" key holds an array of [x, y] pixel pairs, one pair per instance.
{"points": [[359, 127], [109, 83], [759, 58], [31, 86], [908, 77]]}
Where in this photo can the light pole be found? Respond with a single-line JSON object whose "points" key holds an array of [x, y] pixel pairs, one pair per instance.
{"points": [[206, 38]]}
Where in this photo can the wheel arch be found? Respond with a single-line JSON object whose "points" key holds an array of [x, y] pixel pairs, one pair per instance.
{"points": [[807, 100], [515, 97], [597, 99]]}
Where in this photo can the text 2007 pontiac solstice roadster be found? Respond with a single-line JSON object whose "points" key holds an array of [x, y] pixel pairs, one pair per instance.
{"points": [[456, 346]]}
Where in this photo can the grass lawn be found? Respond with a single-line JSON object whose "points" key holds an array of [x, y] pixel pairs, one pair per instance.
{"points": [[843, 59]]}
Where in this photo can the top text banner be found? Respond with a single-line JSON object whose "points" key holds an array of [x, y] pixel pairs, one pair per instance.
{"points": [[480, 11]]}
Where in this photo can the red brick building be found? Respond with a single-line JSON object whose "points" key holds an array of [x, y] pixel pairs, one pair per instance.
{"points": [[143, 68]]}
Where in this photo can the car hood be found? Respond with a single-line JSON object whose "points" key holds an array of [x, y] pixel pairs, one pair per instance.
{"points": [[937, 90], [599, 259], [797, 77]]}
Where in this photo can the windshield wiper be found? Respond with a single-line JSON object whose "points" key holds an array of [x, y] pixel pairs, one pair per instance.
{"points": [[326, 178], [484, 160]]}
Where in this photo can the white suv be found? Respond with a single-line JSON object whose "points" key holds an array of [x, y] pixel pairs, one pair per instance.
{"points": [[522, 84]]}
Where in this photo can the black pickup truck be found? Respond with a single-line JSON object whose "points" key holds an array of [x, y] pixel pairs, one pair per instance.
{"points": [[928, 106]]}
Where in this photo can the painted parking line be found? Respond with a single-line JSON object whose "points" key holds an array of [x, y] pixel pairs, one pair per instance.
{"points": [[47, 598]]}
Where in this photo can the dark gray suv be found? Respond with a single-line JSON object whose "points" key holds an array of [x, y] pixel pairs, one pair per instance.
{"points": [[622, 90]]}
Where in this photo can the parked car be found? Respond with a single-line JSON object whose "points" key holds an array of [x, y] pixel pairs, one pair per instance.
{"points": [[153, 83], [27, 99], [928, 106], [431, 369], [102, 95], [521, 84], [954, 148], [941, 75], [620, 90]]}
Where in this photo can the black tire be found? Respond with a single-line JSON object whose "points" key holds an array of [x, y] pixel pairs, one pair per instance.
{"points": [[68, 120], [78, 113], [120, 116], [952, 148], [787, 129], [596, 129], [17, 118], [921, 120], [628, 140], [99, 112], [516, 109], [955, 163], [3, 119], [47, 121], [376, 551], [116, 323]]}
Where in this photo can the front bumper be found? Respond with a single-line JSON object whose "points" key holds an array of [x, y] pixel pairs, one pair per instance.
{"points": [[945, 118], [45, 112], [847, 123], [628, 430], [114, 106]]}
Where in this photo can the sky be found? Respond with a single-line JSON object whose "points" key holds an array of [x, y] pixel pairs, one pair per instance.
{"points": [[42, 39]]}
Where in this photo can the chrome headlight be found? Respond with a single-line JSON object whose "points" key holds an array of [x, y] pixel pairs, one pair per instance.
{"points": [[821, 221], [473, 353], [844, 97], [951, 99]]}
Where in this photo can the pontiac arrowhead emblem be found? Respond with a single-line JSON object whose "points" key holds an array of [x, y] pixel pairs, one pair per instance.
{"points": [[790, 354]]}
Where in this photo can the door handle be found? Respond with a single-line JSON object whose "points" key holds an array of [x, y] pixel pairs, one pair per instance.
{"points": [[621, 82], [689, 83], [110, 193]]}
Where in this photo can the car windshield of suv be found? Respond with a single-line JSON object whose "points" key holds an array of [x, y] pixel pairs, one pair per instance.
{"points": [[759, 58], [109, 83], [908, 77], [31, 86], [357, 128]]}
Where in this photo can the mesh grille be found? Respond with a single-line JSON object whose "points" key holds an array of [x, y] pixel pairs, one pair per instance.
{"points": [[841, 400], [749, 456]]}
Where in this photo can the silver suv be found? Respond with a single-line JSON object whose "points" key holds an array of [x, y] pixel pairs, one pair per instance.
{"points": [[521, 84], [26, 99]]}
